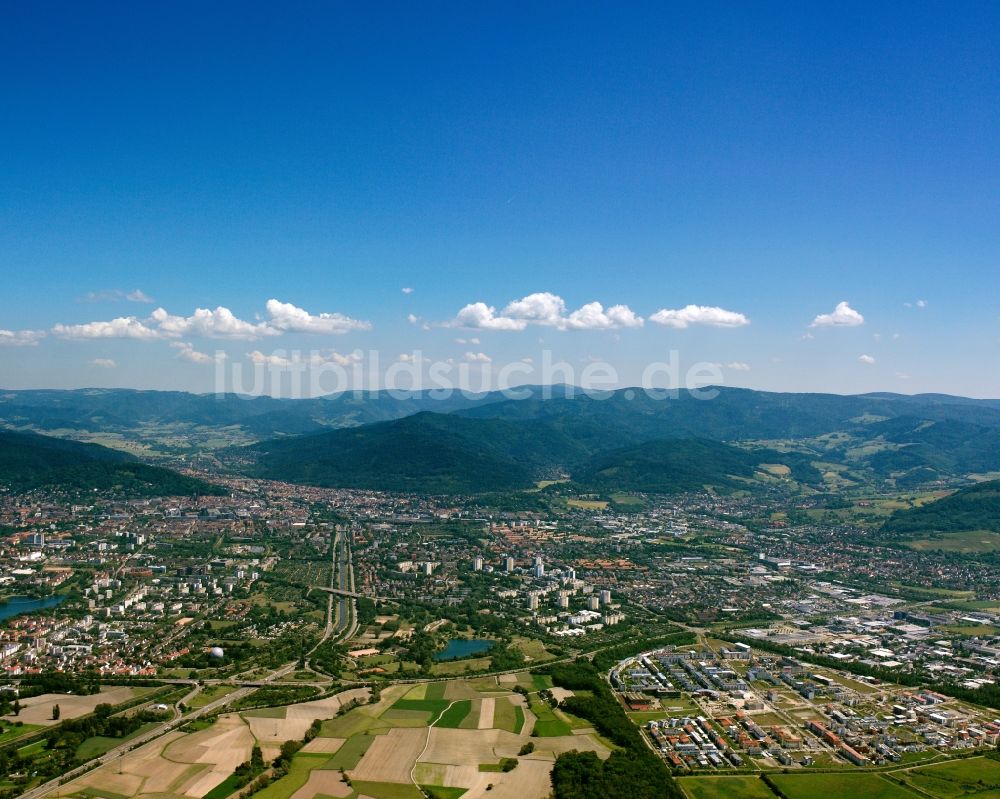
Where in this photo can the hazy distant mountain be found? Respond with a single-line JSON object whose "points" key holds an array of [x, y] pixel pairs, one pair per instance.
{"points": [[142, 413], [902, 440], [29, 461]]}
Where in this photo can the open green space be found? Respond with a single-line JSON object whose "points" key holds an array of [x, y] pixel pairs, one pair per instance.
{"points": [[725, 788], [98, 745], [548, 724], [518, 719], [442, 792], [386, 790], [503, 715], [434, 707], [351, 724], [297, 776], [840, 785], [210, 693], [229, 785], [350, 754], [455, 714], [98, 793], [976, 776], [12, 732], [966, 542]]}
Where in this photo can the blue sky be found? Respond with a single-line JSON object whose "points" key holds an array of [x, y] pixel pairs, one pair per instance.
{"points": [[769, 162]]}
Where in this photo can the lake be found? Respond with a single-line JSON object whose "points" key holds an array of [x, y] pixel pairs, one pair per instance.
{"points": [[16, 605], [458, 648]]}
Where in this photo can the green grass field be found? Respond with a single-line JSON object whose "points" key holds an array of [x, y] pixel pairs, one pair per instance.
{"points": [[457, 668], [297, 776], [977, 776], [548, 724], [12, 733], [386, 790], [98, 793], [224, 788], [210, 694], [97, 746], [455, 714], [441, 792], [518, 719], [349, 755], [843, 785], [432, 707], [968, 542], [503, 715], [725, 788]]}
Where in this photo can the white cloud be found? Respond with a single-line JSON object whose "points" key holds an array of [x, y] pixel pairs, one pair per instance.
{"points": [[287, 317], [699, 315], [103, 363], [921, 303], [902, 376], [545, 309], [220, 323], [867, 359], [541, 308], [483, 316], [117, 295], [843, 316], [187, 352], [918, 304], [738, 366], [20, 338], [260, 359], [592, 316], [412, 318], [334, 357], [120, 327], [477, 357], [405, 357], [406, 290]]}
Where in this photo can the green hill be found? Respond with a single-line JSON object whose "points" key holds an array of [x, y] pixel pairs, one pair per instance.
{"points": [[973, 508], [446, 453], [29, 461], [667, 467], [427, 452]]}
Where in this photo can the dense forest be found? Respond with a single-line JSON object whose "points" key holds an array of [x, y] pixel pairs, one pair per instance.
{"points": [[632, 772], [29, 461], [974, 508]]}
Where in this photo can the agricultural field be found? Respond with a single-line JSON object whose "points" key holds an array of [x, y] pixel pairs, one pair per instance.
{"points": [[37, 710], [445, 738], [177, 765]]}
